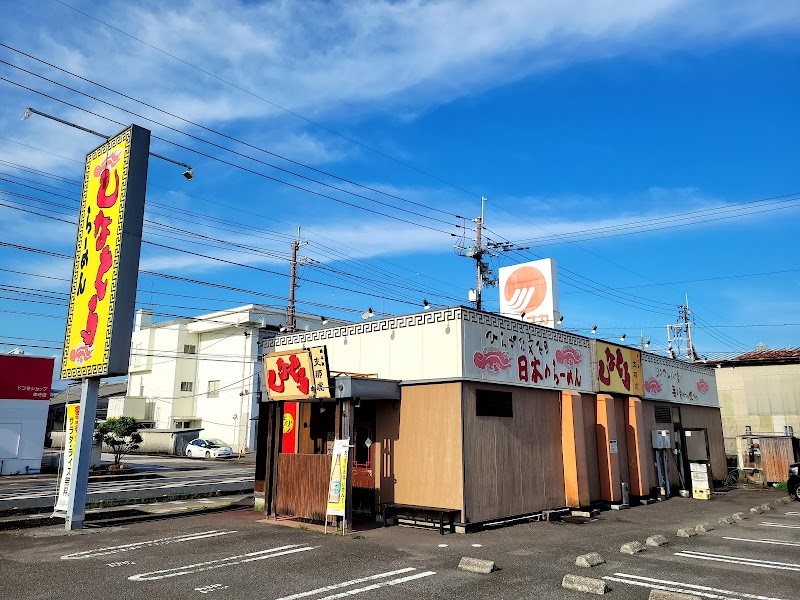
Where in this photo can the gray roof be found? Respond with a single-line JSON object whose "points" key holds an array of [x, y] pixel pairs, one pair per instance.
{"points": [[73, 393]]}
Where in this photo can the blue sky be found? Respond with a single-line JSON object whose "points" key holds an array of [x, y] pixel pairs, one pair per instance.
{"points": [[567, 116]]}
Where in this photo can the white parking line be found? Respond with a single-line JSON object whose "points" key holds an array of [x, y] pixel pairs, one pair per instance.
{"points": [[793, 514], [336, 586], [739, 560], [376, 586], [685, 588], [764, 541], [771, 524], [222, 562], [188, 537]]}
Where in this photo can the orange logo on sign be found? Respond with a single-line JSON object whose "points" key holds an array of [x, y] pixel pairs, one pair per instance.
{"points": [[525, 290]]}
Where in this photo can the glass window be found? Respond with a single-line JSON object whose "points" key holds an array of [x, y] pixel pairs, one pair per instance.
{"points": [[186, 386], [213, 389], [189, 349]]}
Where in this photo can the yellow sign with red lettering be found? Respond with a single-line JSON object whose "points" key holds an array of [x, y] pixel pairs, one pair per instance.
{"points": [[297, 374], [103, 278], [618, 369]]}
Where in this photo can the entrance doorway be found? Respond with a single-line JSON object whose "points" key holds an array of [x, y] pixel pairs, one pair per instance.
{"points": [[364, 461]]}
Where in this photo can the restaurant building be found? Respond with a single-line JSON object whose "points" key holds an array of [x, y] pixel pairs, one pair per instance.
{"points": [[487, 416]]}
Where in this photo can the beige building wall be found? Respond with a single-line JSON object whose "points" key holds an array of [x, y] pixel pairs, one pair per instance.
{"points": [[764, 397]]}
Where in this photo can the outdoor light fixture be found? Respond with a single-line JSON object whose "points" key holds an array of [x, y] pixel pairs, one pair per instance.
{"points": [[425, 304], [369, 314], [560, 320], [188, 173], [282, 328], [594, 329], [324, 320], [622, 337], [522, 315], [647, 344]]}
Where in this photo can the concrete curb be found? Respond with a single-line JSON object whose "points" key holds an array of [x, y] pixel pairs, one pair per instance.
{"points": [[726, 520], [739, 516], [704, 527], [588, 585], [668, 595], [657, 540], [589, 560], [757, 510], [686, 532], [632, 548], [476, 565], [766, 507]]}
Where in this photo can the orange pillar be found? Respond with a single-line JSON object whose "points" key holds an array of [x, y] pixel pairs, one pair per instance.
{"points": [[638, 449], [573, 445], [607, 453]]}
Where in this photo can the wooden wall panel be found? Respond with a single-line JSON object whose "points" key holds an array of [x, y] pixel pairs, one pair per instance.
{"points": [[621, 413], [702, 417], [303, 485], [592, 466], [513, 465], [419, 447], [776, 455]]}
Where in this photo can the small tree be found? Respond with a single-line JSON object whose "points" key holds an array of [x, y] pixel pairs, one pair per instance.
{"points": [[121, 434]]}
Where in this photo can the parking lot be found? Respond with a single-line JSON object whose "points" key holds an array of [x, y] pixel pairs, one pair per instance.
{"points": [[236, 555]]}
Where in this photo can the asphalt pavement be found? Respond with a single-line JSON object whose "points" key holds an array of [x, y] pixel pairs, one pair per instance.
{"points": [[162, 475], [237, 554]]}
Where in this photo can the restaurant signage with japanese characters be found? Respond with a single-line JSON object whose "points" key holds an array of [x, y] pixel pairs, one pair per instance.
{"points": [[676, 381], [297, 374], [618, 369], [512, 352], [104, 275]]}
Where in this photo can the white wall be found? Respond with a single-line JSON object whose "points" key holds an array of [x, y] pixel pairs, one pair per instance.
{"points": [[22, 428]]}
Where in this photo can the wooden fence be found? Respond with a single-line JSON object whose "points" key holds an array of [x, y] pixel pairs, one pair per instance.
{"points": [[777, 453], [303, 485]]}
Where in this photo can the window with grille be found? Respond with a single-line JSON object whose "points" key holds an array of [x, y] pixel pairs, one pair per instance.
{"points": [[189, 349], [213, 389], [186, 386], [491, 403]]}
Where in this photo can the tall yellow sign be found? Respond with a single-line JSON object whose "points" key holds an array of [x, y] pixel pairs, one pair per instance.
{"points": [[104, 274], [618, 369]]}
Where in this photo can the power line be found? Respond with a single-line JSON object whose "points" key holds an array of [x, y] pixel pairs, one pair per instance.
{"points": [[271, 103], [253, 171]]}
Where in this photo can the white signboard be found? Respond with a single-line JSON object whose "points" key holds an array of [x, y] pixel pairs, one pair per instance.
{"points": [[506, 351], [679, 382], [699, 476], [529, 292], [613, 447]]}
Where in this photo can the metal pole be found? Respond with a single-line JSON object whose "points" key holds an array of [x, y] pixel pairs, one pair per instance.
{"points": [[290, 321], [479, 259], [78, 484]]}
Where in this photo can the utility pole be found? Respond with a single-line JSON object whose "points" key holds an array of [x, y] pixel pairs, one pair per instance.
{"points": [[290, 311], [682, 328], [483, 275], [478, 258]]}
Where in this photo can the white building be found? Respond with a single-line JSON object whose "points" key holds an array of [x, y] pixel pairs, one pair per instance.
{"points": [[203, 372]]}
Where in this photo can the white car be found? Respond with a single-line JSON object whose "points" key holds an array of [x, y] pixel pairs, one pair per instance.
{"points": [[208, 448]]}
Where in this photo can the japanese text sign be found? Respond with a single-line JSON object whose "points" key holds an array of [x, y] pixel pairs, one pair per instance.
{"points": [[105, 272], [297, 374], [618, 369], [529, 355], [25, 377]]}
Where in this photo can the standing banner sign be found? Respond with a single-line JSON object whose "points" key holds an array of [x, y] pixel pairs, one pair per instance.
{"points": [[337, 489], [97, 341], [73, 410]]}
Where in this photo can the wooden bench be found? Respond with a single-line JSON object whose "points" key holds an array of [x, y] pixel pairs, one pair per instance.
{"points": [[421, 514]]}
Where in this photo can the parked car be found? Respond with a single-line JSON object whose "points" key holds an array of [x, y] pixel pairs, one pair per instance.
{"points": [[208, 448], [793, 484]]}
